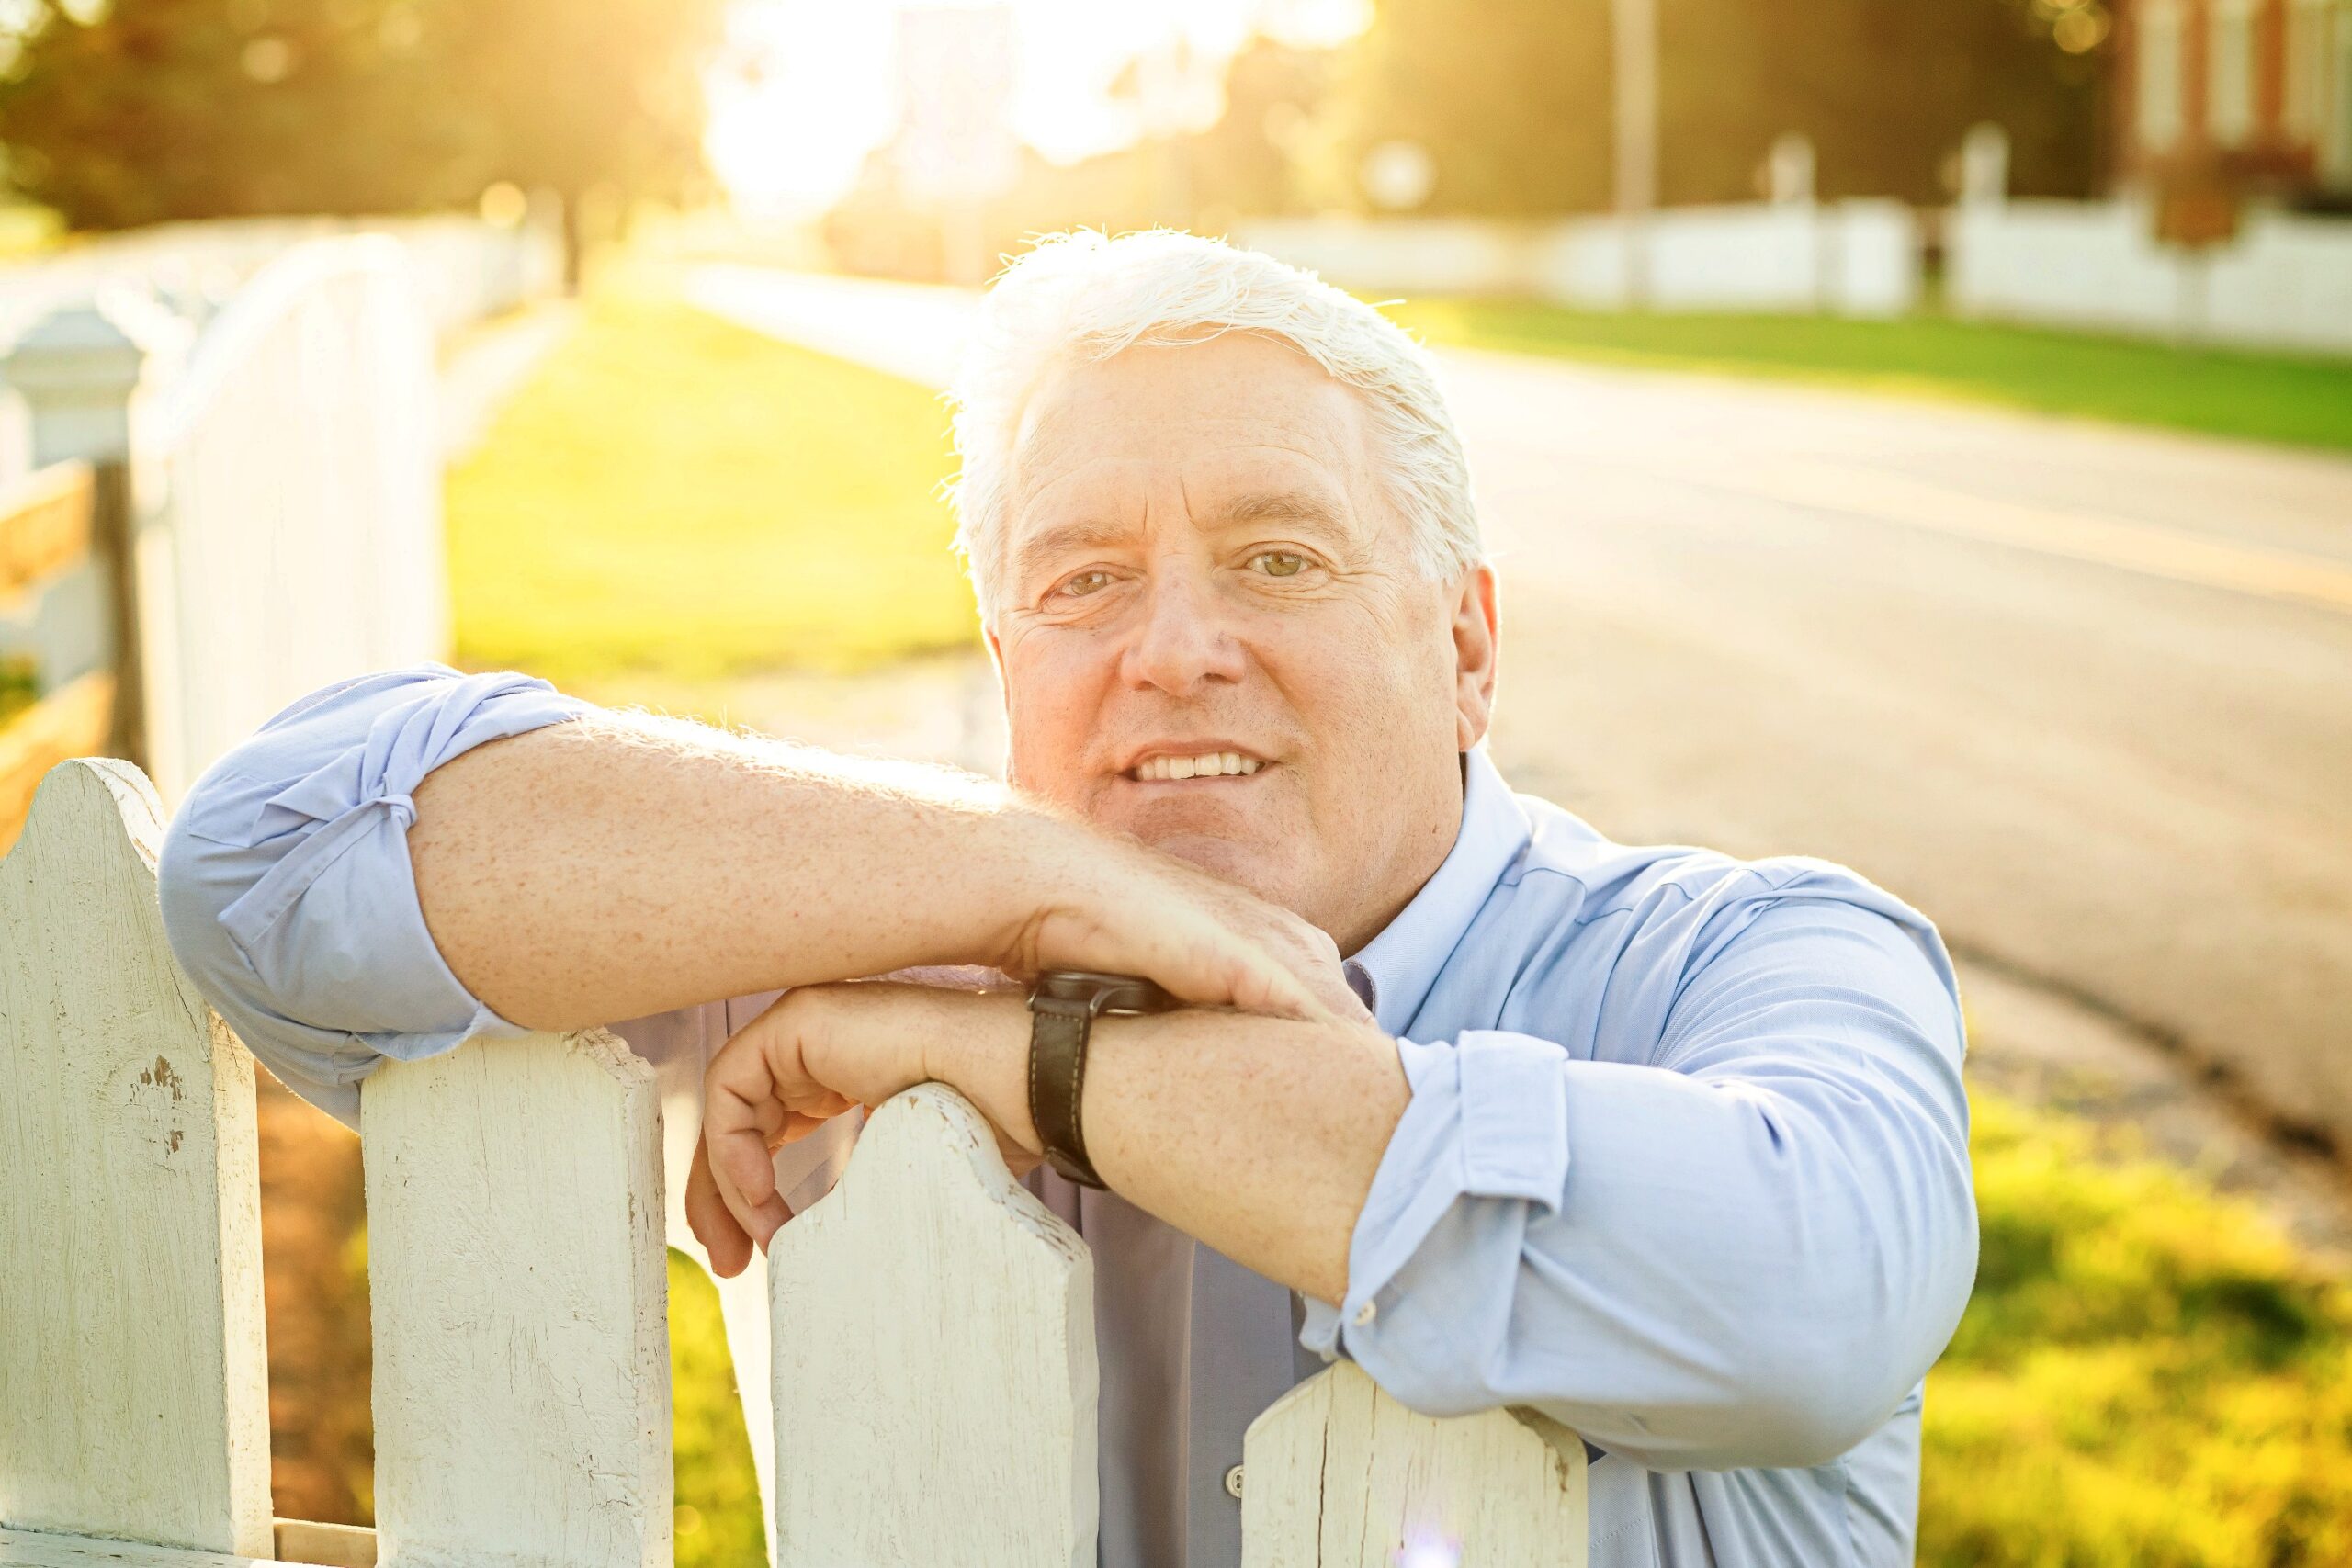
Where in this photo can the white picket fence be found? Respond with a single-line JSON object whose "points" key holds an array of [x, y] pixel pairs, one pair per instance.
{"points": [[934, 1369], [2284, 282]]}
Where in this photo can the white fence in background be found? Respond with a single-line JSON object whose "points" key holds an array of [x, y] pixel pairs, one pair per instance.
{"points": [[463, 270], [282, 480], [1847, 258], [935, 1371], [287, 500], [2285, 282]]}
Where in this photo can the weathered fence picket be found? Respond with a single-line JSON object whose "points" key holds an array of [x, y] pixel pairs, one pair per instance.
{"points": [[519, 1304], [1336, 1474], [934, 1358], [933, 1334], [133, 1384]]}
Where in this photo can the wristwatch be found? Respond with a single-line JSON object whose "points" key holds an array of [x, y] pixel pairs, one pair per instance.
{"points": [[1063, 1006]]}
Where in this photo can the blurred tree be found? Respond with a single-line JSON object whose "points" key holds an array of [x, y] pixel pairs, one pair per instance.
{"points": [[592, 101], [154, 110], [139, 110], [1513, 97], [1246, 163]]}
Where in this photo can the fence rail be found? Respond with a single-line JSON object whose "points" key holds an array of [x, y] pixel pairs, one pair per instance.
{"points": [[934, 1369], [57, 559]]}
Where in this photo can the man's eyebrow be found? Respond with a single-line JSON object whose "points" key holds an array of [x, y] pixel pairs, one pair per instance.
{"points": [[1064, 538], [1280, 506]]}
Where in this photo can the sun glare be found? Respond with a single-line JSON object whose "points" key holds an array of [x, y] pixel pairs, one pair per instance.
{"points": [[806, 89]]}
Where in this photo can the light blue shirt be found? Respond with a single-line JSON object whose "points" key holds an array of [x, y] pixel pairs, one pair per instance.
{"points": [[1685, 1165]]}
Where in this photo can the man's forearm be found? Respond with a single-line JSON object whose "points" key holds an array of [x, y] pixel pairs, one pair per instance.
{"points": [[1259, 1137], [617, 866]]}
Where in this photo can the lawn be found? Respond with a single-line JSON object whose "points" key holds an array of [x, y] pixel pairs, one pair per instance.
{"points": [[2260, 397], [675, 496], [2147, 1375]]}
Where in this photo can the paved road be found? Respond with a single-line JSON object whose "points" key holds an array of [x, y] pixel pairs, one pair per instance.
{"points": [[2083, 695]]}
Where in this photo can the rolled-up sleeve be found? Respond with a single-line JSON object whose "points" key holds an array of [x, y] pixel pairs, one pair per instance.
{"points": [[286, 885], [1747, 1253]]}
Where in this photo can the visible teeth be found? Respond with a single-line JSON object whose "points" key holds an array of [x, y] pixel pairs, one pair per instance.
{"points": [[1209, 765]]}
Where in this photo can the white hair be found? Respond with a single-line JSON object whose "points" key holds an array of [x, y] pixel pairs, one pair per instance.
{"points": [[1083, 297]]}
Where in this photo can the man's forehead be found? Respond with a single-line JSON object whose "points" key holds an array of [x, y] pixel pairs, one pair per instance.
{"points": [[1236, 403]]}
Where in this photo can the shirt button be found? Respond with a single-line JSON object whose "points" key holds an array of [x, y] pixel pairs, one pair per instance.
{"points": [[1366, 1313], [1233, 1482]]}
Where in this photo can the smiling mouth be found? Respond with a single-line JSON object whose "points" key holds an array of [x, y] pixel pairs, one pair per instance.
{"points": [[1205, 765]]}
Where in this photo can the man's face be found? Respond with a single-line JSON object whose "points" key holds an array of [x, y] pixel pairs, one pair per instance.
{"points": [[1202, 576]]}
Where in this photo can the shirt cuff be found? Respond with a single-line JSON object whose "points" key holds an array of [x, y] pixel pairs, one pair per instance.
{"points": [[1488, 1120], [285, 884]]}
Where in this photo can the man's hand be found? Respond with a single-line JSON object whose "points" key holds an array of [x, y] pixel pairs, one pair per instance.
{"points": [[815, 1052], [1129, 910]]}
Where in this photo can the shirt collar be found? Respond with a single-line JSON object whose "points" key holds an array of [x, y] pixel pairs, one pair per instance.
{"points": [[1394, 972]]}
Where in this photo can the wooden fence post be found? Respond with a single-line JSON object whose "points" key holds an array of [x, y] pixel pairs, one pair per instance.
{"points": [[1336, 1474], [76, 371], [520, 1301], [133, 1378], [934, 1362]]}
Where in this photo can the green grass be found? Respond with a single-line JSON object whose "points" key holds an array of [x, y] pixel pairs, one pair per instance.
{"points": [[719, 1522], [676, 496], [2147, 1376], [2256, 396]]}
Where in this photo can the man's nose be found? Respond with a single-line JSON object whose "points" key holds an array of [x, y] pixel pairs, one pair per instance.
{"points": [[1182, 640]]}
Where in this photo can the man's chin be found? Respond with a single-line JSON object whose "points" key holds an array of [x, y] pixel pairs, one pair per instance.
{"points": [[1245, 864]]}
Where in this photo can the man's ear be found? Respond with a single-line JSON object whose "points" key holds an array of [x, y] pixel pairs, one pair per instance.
{"points": [[1476, 639]]}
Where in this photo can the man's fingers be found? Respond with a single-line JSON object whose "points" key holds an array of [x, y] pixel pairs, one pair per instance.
{"points": [[740, 1115], [729, 1247], [742, 1168]]}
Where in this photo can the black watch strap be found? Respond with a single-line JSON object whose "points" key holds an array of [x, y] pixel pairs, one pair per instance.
{"points": [[1058, 1042], [1063, 1006]]}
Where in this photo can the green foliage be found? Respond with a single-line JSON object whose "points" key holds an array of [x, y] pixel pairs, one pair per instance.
{"points": [[2147, 1375], [1511, 97], [19, 685], [719, 1523], [677, 496], [1514, 97], [142, 110], [2261, 396]]}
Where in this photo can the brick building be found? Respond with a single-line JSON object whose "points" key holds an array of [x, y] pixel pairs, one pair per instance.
{"points": [[2256, 93]]}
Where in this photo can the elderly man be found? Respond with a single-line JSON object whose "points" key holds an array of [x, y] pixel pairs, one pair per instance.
{"points": [[1665, 1144]]}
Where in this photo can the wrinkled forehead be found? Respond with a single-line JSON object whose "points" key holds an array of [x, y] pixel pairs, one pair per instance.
{"points": [[1239, 412]]}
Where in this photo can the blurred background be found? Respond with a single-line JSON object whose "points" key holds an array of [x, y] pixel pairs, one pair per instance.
{"points": [[1918, 436]]}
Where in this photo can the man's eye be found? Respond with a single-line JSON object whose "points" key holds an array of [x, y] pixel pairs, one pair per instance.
{"points": [[1084, 583], [1279, 563]]}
